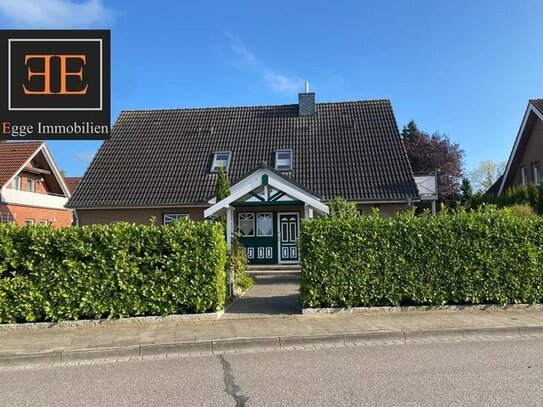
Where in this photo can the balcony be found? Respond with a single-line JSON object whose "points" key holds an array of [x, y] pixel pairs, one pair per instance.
{"points": [[16, 197]]}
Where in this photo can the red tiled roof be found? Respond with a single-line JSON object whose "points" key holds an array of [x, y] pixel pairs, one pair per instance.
{"points": [[13, 156], [72, 183]]}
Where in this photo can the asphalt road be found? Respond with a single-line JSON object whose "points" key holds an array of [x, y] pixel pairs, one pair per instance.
{"points": [[475, 373]]}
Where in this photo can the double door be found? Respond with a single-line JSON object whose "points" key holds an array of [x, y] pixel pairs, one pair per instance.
{"points": [[269, 237]]}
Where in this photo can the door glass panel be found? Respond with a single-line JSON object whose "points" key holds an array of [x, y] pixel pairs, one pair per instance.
{"points": [[246, 224], [292, 232], [284, 232], [264, 224]]}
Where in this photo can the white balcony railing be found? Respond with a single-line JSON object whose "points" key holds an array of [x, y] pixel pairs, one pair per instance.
{"points": [[16, 197]]}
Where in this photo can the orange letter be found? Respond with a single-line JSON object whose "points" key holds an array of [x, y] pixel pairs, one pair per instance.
{"points": [[46, 74], [64, 73], [5, 128]]}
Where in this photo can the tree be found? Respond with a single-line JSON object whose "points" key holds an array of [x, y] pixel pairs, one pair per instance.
{"points": [[222, 188], [467, 192], [486, 174], [410, 129], [435, 153]]}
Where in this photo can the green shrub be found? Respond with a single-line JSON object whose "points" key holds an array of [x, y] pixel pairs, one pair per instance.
{"points": [[238, 262], [476, 257], [342, 208], [111, 271], [516, 195], [522, 210]]}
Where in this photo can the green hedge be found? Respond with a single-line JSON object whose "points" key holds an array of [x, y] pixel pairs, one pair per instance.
{"points": [[111, 271], [480, 257]]}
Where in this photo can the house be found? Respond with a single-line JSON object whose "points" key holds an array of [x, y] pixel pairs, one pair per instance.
{"points": [[32, 189], [526, 158], [72, 183], [284, 163]]}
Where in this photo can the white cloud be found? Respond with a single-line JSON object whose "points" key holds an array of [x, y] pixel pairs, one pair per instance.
{"points": [[283, 83], [276, 81], [56, 13], [85, 157]]}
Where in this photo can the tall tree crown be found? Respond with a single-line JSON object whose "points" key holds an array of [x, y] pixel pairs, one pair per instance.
{"points": [[435, 153]]}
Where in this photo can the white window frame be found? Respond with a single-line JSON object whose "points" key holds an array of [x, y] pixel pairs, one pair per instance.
{"points": [[30, 185], [214, 167], [524, 176], [240, 214], [271, 219], [16, 183], [283, 168], [29, 221], [44, 222], [173, 217], [536, 173]]}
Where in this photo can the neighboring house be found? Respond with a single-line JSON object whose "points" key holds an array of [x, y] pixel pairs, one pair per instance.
{"points": [[32, 190], [284, 162], [72, 183], [524, 164]]}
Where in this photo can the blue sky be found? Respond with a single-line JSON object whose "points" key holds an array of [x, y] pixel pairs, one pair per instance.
{"points": [[464, 68]]}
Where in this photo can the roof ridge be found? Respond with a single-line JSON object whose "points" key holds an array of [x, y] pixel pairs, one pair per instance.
{"points": [[24, 142], [251, 107]]}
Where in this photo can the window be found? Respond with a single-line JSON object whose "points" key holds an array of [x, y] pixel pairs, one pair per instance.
{"points": [[523, 176], [246, 224], [29, 221], [221, 159], [44, 222], [16, 183], [31, 185], [264, 224], [536, 171], [283, 160], [172, 217]]}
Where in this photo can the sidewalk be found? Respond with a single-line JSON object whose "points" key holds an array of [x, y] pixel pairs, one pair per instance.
{"points": [[51, 345]]}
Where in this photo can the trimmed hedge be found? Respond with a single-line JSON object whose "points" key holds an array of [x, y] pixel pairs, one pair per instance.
{"points": [[480, 257], [110, 271]]}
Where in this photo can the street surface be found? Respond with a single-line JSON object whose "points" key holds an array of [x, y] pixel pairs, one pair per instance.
{"points": [[498, 372]]}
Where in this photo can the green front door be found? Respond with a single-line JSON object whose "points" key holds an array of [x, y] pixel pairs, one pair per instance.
{"points": [[258, 232]]}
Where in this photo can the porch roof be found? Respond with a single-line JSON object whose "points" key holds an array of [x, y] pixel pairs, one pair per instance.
{"points": [[264, 175]]}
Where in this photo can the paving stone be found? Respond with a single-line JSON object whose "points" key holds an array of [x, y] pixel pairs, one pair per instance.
{"points": [[272, 295]]}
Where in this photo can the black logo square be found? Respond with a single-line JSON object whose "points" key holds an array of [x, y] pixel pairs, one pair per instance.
{"points": [[58, 84]]}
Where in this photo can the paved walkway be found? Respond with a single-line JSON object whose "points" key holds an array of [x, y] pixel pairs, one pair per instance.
{"points": [[274, 294], [53, 345]]}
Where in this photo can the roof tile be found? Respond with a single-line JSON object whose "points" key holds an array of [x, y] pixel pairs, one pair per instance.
{"points": [[13, 156]]}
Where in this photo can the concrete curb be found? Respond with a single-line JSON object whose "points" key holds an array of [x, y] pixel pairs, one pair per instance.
{"points": [[259, 343], [423, 308], [121, 321]]}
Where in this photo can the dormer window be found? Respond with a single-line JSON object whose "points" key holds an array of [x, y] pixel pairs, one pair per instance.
{"points": [[221, 159], [283, 160]]}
